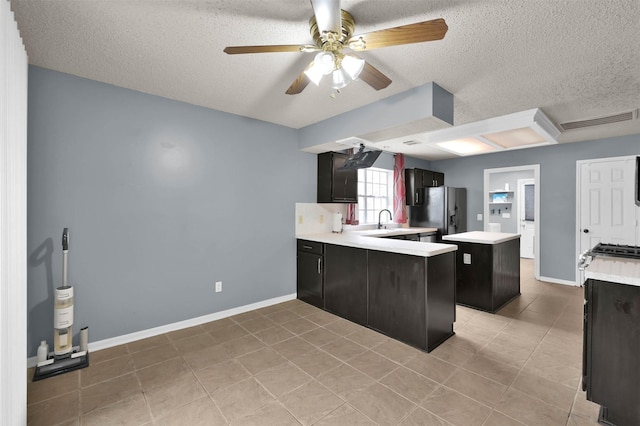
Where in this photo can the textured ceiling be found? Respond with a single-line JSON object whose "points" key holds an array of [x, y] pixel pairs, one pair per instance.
{"points": [[574, 59]]}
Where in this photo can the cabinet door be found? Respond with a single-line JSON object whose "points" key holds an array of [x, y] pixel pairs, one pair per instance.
{"points": [[345, 290], [438, 179], [345, 182], [427, 179], [397, 297], [614, 344], [413, 184], [310, 272], [334, 185]]}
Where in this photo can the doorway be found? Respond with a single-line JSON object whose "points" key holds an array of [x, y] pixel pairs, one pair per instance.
{"points": [[526, 216], [505, 180]]}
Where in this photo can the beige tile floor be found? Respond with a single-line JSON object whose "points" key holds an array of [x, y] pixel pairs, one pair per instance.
{"points": [[293, 364]]}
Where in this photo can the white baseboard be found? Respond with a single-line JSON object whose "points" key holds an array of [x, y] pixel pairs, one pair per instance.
{"points": [[558, 281], [143, 334]]}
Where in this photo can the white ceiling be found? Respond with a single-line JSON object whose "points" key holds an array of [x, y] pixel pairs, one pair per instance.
{"points": [[574, 59]]}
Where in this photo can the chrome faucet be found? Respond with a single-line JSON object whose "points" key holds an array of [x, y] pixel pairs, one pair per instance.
{"points": [[380, 215]]}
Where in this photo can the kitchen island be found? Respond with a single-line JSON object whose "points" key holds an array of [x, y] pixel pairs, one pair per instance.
{"points": [[487, 269], [401, 288]]}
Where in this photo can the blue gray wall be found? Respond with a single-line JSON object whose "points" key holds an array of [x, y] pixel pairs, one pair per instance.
{"points": [[162, 199], [557, 191]]}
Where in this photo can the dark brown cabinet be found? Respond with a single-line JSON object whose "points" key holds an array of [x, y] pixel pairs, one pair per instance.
{"points": [[438, 179], [310, 272], [408, 298], [611, 343], [412, 298], [335, 185], [488, 275], [415, 180], [345, 289]]}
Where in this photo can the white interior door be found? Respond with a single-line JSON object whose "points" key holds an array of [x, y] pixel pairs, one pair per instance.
{"points": [[526, 217], [607, 210]]}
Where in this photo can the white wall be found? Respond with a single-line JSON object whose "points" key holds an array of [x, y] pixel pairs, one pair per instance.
{"points": [[13, 221]]}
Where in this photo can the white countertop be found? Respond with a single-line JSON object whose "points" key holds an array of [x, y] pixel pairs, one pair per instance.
{"points": [[364, 240], [614, 269], [481, 237]]}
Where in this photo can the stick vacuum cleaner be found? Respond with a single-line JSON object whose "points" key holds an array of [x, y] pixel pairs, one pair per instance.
{"points": [[65, 357]]}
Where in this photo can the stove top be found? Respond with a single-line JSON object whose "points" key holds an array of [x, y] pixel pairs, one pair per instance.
{"points": [[615, 250]]}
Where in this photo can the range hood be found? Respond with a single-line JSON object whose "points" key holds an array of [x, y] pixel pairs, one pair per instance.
{"points": [[361, 159]]}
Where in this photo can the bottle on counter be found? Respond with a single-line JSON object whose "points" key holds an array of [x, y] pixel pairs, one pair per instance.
{"points": [[43, 351]]}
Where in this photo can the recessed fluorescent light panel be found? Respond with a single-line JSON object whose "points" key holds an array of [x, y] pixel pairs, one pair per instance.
{"points": [[516, 138], [523, 129], [466, 146]]}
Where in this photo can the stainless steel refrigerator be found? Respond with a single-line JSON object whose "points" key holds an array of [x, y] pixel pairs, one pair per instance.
{"points": [[444, 208]]}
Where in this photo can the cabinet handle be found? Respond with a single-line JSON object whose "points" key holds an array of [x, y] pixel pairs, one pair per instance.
{"points": [[319, 270], [417, 197], [307, 247]]}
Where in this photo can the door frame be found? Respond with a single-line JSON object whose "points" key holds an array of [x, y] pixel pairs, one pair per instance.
{"points": [[579, 163], [521, 205], [536, 176]]}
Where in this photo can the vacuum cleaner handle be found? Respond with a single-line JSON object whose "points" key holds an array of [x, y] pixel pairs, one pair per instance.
{"points": [[65, 239], [65, 250]]}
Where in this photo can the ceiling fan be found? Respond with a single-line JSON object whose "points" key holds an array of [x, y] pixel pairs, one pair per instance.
{"points": [[332, 30]]}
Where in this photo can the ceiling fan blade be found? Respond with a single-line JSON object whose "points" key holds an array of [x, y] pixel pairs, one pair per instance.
{"points": [[300, 82], [404, 34], [328, 15], [373, 77], [233, 50]]}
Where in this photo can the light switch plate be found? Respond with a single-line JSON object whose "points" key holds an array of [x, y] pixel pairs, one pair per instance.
{"points": [[466, 258], [479, 216]]}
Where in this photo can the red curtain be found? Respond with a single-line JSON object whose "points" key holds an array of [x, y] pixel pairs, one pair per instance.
{"points": [[399, 210]]}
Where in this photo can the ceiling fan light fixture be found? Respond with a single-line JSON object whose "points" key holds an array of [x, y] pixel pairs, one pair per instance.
{"points": [[339, 79], [314, 73], [353, 66], [325, 61]]}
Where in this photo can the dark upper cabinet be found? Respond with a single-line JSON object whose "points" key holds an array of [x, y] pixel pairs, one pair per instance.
{"points": [[438, 179], [412, 185], [335, 185], [415, 180], [427, 179]]}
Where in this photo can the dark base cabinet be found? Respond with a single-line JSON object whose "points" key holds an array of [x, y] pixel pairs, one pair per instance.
{"points": [[310, 268], [408, 298], [492, 279], [412, 298], [345, 291], [611, 361]]}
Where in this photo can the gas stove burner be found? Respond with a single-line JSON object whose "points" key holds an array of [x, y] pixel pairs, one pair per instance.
{"points": [[615, 250]]}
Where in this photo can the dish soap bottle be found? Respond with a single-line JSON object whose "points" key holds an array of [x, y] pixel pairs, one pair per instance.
{"points": [[43, 351]]}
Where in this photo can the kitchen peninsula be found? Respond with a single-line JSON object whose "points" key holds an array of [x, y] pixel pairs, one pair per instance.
{"points": [[401, 288]]}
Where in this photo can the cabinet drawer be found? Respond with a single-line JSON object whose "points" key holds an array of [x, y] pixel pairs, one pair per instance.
{"points": [[310, 246]]}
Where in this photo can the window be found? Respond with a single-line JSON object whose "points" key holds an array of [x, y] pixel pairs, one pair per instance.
{"points": [[375, 192]]}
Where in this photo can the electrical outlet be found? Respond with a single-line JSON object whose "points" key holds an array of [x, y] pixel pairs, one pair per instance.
{"points": [[321, 218], [300, 219], [218, 286]]}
